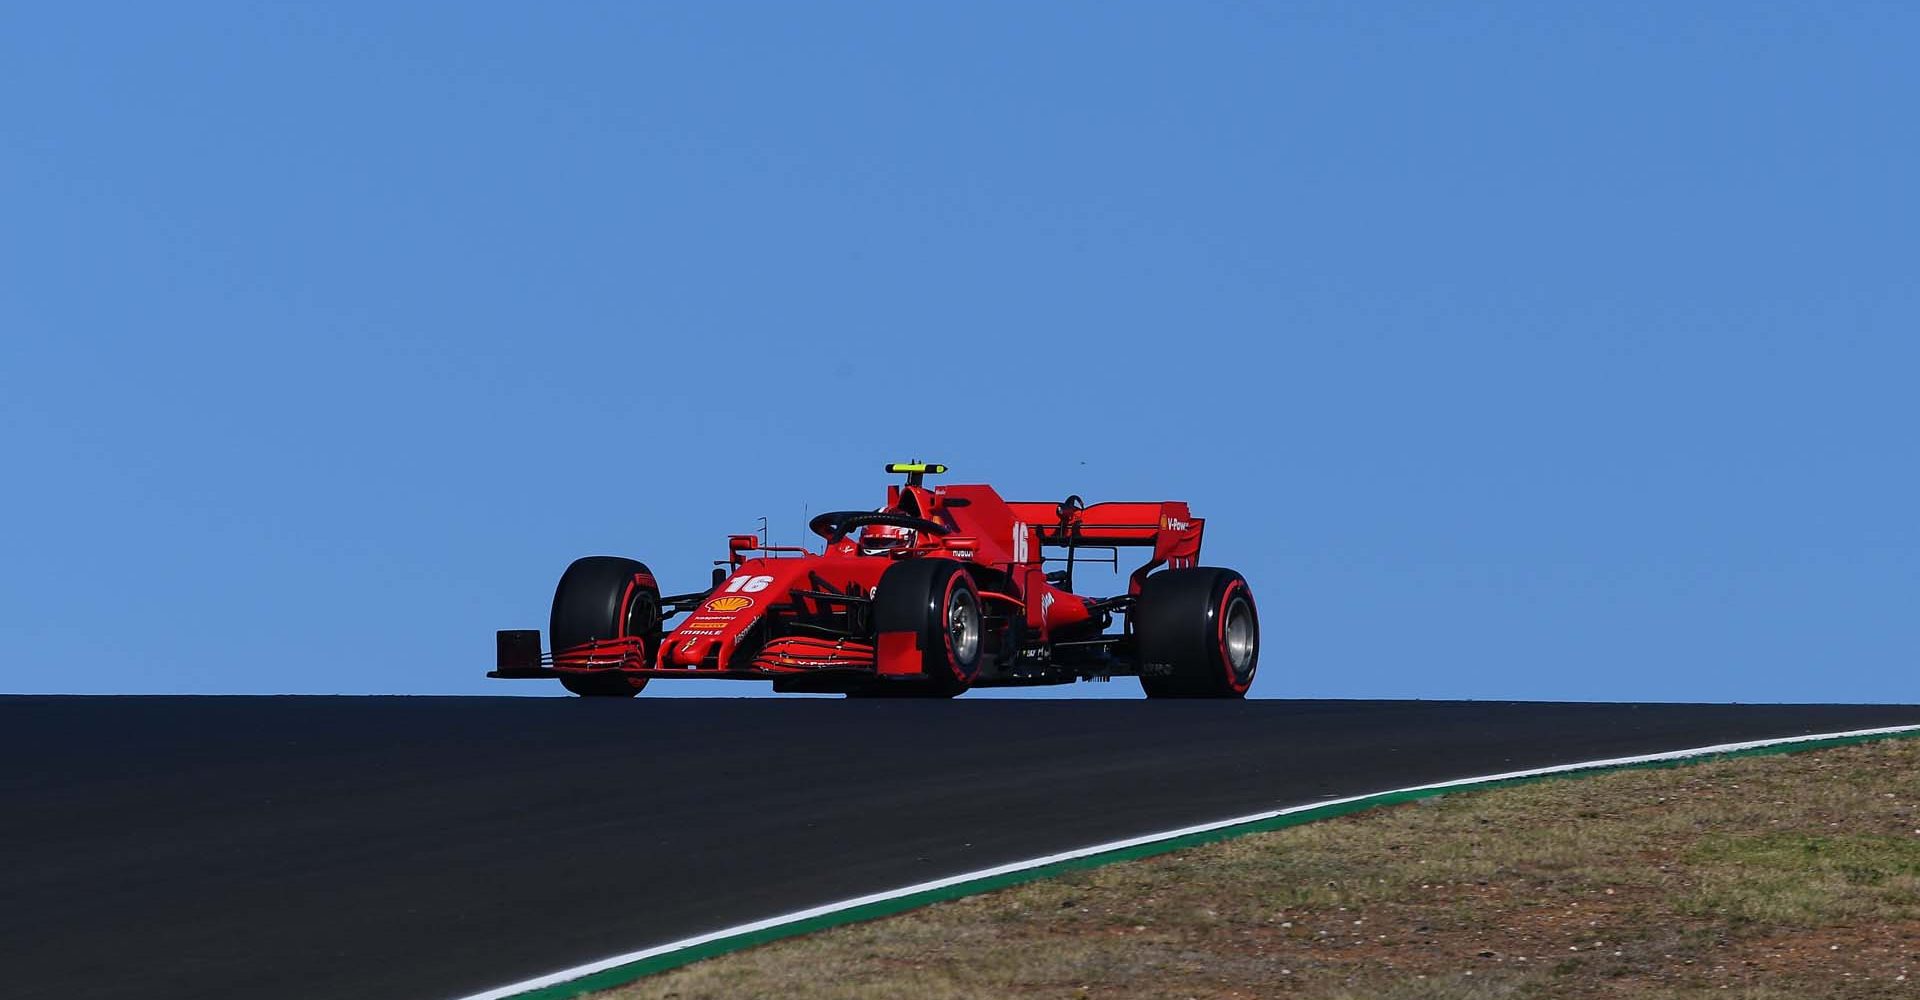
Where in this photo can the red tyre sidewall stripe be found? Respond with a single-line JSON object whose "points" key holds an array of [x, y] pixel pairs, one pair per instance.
{"points": [[620, 609], [620, 624], [1226, 661], [946, 632]]}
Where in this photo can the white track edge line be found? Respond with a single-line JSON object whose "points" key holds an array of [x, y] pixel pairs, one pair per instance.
{"points": [[602, 965]]}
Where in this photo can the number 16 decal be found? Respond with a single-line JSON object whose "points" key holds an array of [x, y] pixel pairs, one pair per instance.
{"points": [[748, 584]]}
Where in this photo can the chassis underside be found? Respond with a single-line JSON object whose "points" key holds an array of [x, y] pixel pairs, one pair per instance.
{"points": [[820, 644]]}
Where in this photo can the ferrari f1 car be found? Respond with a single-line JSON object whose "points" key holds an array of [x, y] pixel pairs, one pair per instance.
{"points": [[944, 589]]}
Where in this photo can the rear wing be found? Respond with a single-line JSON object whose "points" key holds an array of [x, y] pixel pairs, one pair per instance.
{"points": [[1168, 527]]}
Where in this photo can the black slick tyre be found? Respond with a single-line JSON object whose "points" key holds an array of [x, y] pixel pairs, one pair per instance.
{"points": [[605, 597], [1198, 634], [936, 601]]}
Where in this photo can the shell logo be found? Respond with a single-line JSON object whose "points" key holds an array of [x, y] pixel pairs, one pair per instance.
{"points": [[729, 603]]}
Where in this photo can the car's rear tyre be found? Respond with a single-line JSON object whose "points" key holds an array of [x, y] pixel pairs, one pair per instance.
{"points": [[1198, 634], [605, 597], [936, 601]]}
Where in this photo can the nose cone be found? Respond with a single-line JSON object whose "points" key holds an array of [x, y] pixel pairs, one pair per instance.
{"points": [[708, 637]]}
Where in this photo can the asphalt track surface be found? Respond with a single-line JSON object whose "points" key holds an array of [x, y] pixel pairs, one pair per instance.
{"points": [[430, 847]]}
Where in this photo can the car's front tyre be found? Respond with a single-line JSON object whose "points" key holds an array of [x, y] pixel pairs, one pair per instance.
{"points": [[605, 597]]}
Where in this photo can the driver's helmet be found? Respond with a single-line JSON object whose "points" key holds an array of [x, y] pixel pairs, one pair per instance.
{"points": [[880, 539]]}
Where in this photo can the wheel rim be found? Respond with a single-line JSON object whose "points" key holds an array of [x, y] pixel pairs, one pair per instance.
{"points": [[643, 615], [1241, 636], [963, 625]]}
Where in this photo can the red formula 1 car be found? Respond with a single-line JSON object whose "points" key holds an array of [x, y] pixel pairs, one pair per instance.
{"points": [[944, 589]]}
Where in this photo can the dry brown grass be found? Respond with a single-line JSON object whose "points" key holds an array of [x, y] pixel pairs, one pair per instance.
{"points": [[1763, 878]]}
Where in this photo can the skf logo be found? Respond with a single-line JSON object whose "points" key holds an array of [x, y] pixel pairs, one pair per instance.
{"points": [[729, 603], [1175, 524]]}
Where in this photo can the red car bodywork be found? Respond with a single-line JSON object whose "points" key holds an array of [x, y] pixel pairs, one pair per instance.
{"points": [[796, 616]]}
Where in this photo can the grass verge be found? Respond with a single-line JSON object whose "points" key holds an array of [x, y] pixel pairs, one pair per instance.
{"points": [[1772, 877]]}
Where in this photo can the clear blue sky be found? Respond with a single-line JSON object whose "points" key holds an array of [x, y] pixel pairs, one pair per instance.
{"points": [[1511, 350]]}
